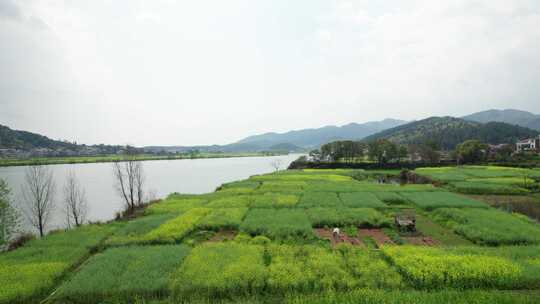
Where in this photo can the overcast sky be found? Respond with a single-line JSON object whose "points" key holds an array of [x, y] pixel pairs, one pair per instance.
{"points": [[162, 72]]}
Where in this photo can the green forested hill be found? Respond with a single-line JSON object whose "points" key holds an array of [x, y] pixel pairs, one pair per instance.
{"points": [[510, 116], [450, 131], [14, 139]]}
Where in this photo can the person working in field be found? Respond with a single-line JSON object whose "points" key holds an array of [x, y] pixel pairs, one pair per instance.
{"points": [[335, 233]]}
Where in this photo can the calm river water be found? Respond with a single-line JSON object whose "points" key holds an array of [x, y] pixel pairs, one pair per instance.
{"points": [[162, 177]]}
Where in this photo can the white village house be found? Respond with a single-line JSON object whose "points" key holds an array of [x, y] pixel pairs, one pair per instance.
{"points": [[529, 144]]}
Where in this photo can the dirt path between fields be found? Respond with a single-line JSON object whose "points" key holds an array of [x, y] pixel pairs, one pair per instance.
{"points": [[343, 238], [420, 240], [377, 235], [222, 236]]}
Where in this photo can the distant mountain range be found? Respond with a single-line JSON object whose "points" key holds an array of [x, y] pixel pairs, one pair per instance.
{"points": [[510, 116], [494, 126], [447, 132]]}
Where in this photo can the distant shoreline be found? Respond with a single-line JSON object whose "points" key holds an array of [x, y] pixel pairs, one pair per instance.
{"points": [[113, 158]]}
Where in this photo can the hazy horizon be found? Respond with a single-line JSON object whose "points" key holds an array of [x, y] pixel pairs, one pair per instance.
{"points": [[213, 72]]}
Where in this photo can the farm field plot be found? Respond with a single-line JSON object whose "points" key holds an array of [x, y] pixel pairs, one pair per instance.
{"points": [[274, 200], [30, 272], [467, 267], [361, 200], [341, 217], [133, 230], [484, 179], [489, 226], [268, 239], [175, 205], [223, 219], [320, 199], [176, 228], [440, 234], [370, 296], [524, 204], [125, 272], [433, 200], [277, 223], [219, 270]]}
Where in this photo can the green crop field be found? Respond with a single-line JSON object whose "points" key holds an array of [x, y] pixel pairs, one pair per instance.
{"points": [[268, 239], [434, 200], [489, 226], [484, 179], [361, 200]]}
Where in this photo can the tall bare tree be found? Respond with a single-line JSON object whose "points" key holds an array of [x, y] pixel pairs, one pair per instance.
{"points": [[38, 197], [129, 181], [75, 203], [276, 164]]}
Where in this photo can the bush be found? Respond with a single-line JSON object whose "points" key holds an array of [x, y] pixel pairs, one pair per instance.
{"points": [[260, 240], [277, 223]]}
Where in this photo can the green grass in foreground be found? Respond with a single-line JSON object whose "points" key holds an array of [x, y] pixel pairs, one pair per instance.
{"points": [[368, 296], [124, 272], [275, 256], [30, 272]]}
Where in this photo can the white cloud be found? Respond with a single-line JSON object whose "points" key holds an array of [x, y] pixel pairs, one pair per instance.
{"points": [[167, 72]]}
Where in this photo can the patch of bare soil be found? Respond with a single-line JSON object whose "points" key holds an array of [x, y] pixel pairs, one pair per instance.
{"points": [[420, 240], [342, 238], [222, 236], [377, 235]]}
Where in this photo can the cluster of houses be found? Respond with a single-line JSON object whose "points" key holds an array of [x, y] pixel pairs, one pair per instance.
{"points": [[528, 145]]}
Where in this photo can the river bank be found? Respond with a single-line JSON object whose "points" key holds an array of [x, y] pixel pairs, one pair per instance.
{"points": [[114, 158]]}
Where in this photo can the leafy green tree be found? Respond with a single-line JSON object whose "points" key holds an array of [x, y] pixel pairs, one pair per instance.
{"points": [[428, 151], [383, 150], [9, 216], [471, 151], [402, 153]]}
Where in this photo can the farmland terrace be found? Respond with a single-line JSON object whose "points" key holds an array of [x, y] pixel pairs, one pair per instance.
{"points": [[268, 239]]}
